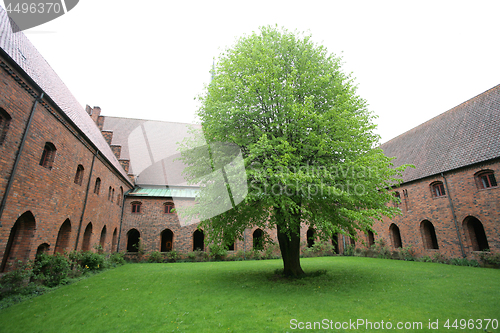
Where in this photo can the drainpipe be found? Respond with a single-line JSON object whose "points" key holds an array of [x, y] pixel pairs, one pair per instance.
{"points": [[454, 216], [18, 156], [85, 200], [121, 219]]}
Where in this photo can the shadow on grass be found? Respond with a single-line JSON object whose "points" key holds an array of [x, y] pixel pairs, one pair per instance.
{"points": [[336, 278]]}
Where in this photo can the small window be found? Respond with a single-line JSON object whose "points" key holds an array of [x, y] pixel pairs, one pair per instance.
{"points": [[112, 195], [437, 189], [79, 175], [48, 155], [119, 200], [169, 208], [486, 179], [136, 207], [4, 125], [97, 186], [109, 193], [397, 199]]}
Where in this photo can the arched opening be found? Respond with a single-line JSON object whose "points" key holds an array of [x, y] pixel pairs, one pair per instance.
{"points": [[485, 179], [371, 238], [198, 240], [87, 235], [79, 174], [230, 247], [97, 186], [428, 235], [120, 199], [63, 236], [310, 237], [167, 240], [335, 243], [4, 124], [19, 242], [42, 248], [113, 242], [353, 241], [48, 155], [477, 236], [437, 189], [102, 240], [133, 240], [395, 236], [258, 239]]}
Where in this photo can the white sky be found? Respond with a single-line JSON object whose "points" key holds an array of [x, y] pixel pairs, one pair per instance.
{"points": [[412, 60]]}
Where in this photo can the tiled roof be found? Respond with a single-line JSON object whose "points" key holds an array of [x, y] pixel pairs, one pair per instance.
{"points": [[152, 148], [20, 49], [467, 134]]}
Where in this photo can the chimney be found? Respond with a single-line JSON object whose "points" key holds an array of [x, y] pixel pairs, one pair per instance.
{"points": [[94, 113]]}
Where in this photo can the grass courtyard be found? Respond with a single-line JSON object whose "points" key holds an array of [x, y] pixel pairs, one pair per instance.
{"points": [[248, 296]]}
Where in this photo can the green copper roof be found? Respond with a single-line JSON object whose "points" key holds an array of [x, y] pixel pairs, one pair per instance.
{"points": [[156, 191]]}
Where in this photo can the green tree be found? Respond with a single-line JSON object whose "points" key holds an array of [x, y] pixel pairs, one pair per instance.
{"points": [[306, 140]]}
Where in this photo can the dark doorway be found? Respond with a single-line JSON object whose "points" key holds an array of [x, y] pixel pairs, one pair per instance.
{"points": [[167, 240]]}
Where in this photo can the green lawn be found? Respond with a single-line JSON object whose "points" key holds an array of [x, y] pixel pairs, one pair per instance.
{"points": [[247, 297]]}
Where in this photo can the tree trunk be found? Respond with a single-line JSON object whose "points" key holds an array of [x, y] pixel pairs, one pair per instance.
{"points": [[290, 250]]}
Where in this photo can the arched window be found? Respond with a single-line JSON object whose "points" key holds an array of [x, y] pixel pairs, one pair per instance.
{"points": [[102, 240], [48, 155], [397, 199], [485, 179], [310, 237], [115, 238], [133, 237], [87, 235], [258, 239], [371, 238], [136, 206], [167, 240], [112, 195], [120, 199], [42, 248], [79, 174], [19, 242], [109, 193], [4, 124], [169, 208], [477, 236], [428, 235], [97, 186], [63, 236], [198, 240], [335, 243], [395, 236], [437, 189]]}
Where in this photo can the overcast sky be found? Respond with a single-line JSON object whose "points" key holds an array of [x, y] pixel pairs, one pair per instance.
{"points": [[412, 60]]}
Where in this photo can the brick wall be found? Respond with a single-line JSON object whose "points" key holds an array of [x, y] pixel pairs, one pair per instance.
{"points": [[51, 195], [468, 200]]}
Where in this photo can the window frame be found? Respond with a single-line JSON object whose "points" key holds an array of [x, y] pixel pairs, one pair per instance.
{"points": [[97, 186], [485, 179], [136, 207], [437, 189], [5, 120], [48, 155], [80, 170], [169, 208]]}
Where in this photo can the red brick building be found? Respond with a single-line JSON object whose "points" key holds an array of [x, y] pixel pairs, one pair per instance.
{"points": [[72, 179], [61, 187], [450, 201]]}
